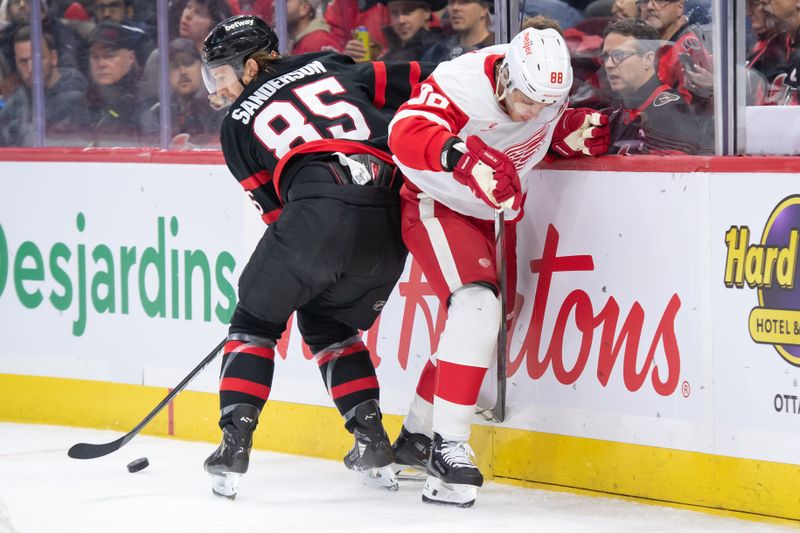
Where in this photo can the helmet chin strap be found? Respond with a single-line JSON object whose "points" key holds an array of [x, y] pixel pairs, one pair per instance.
{"points": [[502, 79]]}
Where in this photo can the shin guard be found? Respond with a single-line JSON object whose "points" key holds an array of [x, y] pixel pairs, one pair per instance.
{"points": [[248, 365], [349, 374]]}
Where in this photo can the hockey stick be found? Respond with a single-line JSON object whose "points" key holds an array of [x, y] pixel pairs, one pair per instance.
{"points": [[85, 450], [499, 409], [498, 412]]}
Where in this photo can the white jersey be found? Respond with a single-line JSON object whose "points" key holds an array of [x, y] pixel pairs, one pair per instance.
{"points": [[458, 99]]}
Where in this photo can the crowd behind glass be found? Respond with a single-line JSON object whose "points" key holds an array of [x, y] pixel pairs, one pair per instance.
{"points": [[647, 63]]}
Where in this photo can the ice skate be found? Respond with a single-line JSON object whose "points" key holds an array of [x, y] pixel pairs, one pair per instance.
{"points": [[372, 453], [453, 478], [231, 459], [411, 452]]}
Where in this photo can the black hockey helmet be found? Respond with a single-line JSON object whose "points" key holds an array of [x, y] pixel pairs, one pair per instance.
{"points": [[231, 41]]}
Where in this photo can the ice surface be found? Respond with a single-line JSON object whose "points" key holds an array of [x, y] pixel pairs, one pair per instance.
{"points": [[47, 492]]}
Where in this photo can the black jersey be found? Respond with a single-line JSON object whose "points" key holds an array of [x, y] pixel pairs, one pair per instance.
{"points": [[655, 119], [309, 104]]}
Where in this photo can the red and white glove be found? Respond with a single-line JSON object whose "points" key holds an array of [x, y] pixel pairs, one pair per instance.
{"points": [[490, 175], [581, 131]]}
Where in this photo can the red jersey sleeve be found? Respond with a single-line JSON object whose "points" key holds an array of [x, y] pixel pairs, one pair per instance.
{"points": [[423, 124]]}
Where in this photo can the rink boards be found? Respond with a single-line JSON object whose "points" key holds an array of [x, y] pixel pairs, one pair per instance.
{"points": [[655, 348]]}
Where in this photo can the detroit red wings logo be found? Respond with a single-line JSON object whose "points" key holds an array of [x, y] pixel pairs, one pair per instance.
{"points": [[521, 153]]}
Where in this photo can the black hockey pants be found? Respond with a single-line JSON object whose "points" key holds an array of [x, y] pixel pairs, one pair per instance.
{"points": [[333, 256]]}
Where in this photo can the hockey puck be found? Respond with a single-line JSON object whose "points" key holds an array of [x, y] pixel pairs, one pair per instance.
{"points": [[139, 464]]}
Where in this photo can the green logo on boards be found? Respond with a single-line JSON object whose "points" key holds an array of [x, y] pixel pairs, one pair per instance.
{"points": [[160, 279]]}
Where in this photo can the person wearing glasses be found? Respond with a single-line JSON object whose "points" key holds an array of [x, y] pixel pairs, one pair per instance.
{"points": [[650, 116], [684, 63]]}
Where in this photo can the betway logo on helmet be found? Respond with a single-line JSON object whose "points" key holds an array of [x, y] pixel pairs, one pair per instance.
{"points": [[238, 24]]}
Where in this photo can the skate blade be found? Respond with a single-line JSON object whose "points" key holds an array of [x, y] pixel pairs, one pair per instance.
{"points": [[438, 492], [382, 477], [225, 485], [409, 473]]}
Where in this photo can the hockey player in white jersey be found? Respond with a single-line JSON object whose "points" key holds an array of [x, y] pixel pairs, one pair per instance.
{"points": [[466, 142]]}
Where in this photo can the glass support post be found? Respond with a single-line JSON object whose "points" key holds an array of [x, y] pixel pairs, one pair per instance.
{"points": [[165, 116], [37, 79]]}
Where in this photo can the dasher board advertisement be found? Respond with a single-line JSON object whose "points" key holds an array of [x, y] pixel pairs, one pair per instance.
{"points": [[134, 282], [755, 227]]}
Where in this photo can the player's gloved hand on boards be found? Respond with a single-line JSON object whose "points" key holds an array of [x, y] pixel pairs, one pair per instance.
{"points": [[581, 131], [489, 173]]}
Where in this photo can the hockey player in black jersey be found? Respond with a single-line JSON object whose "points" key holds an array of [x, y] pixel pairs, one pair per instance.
{"points": [[306, 138]]}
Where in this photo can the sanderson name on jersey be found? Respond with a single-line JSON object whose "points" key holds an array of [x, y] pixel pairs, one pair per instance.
{"points": [[244, 112]]}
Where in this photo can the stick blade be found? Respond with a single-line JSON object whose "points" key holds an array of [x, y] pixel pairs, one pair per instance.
{"points": [[84, 450]]}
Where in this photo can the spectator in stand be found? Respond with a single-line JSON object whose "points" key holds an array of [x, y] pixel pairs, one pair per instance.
{"points": [[76, 11], [145, 11], [408, 33], [781, 59], [192, 19], [9, 80], [199, 16], [59, 7], [121, 12], [3, 14], [470, 20], [768, 57], [623, 9], [70, 47], [598, 9], [261, 8], [194, 123], [651, 117], [114, 102], [558, 10], [65, 110], [77, 17], [344, 16], [763, 23], [308, 31], [683, 62]]}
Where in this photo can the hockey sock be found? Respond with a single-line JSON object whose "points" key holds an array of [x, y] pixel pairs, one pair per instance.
{"points": [[466, 348], [349, 374], [420, 412], [248, 365]]}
